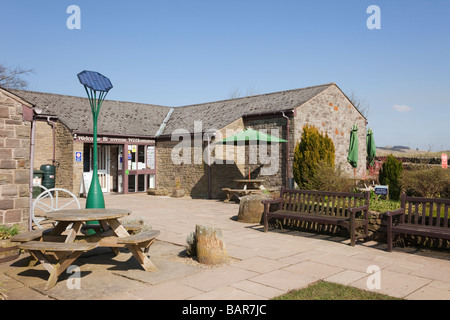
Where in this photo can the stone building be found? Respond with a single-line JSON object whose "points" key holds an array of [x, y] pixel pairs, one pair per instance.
{"points": [[15, 124], [139, 144]]}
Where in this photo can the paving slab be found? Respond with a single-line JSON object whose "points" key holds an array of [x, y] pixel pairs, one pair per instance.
{"points": [[262, 265]]}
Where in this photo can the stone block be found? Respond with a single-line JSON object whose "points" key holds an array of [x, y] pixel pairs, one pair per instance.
{"points": [[21, 153], [12, 143], [10, 190], [21, 176], [6, 177], [13, 216], [22, 131], [210, 245], [4, 112], [7, 164], [21, 203], [157, 192], [6, 204], [5, 153], [251, 208]]}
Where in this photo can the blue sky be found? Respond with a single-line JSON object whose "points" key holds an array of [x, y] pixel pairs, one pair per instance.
{"points": [[178, 52]]}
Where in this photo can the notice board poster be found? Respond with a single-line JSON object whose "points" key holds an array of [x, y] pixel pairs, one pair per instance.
{"points": [[151, 157]]}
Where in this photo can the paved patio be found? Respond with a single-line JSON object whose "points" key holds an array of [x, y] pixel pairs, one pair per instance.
{"points": [[262, 265]]}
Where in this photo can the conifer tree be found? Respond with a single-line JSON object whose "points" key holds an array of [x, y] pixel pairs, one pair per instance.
{"points": [[312, 150]]}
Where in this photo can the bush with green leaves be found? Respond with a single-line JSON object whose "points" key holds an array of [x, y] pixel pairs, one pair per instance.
{"points": [[327, 178], [313, 149], [390, 173], [6, 232], [426, 181]]}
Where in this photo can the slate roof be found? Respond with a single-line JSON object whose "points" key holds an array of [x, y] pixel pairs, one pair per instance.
{"points": [[138, 119], [218, 114], [116, 117]]}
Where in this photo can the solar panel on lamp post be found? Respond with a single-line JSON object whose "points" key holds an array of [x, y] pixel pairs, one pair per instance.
{"points": [[94, 83]]}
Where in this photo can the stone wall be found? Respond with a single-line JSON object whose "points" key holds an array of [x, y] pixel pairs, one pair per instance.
{"points": [[43, 151], [14, 162], [68, 172], [332, 113]]}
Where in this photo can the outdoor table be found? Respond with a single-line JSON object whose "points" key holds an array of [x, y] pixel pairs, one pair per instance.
{"points": [[66, 242], [252, 183], [243, 188]]}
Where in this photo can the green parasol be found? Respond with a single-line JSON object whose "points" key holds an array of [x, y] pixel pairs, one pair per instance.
{"points": [[246, 136], [371, 148], [352, 157]]}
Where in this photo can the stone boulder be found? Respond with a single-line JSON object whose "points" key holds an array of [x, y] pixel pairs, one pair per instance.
{"points": [[210, 246], [251, 208], [157, 192]]}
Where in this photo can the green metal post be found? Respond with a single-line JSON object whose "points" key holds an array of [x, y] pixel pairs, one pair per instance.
{"points": [[95, 199]]}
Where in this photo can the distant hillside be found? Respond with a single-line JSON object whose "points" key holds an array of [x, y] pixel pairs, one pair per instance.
{"points": [[402, 151]]}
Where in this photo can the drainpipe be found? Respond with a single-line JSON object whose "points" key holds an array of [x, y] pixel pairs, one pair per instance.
{"points": [[53, 124], [33, 134], [287, 149]]}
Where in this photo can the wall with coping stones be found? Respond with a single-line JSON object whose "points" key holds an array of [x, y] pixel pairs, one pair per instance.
{"points": [[14, 162]]}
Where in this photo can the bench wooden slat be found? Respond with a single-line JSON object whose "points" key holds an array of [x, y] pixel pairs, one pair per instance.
{"points": [[57, 246], [446, 215], [140, 237], [428, 231], [322, 207], [30, 235]]}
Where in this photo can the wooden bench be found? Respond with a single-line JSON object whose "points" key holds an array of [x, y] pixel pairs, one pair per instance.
{"points": [[348, 210], [139, 244], [426, 217], [66, 254]]}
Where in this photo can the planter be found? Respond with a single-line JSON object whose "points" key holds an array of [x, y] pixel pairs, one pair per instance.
{"points": [[8, 251]]}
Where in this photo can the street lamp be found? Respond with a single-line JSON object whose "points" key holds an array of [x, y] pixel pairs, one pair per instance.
{"points": [[97, 84]]}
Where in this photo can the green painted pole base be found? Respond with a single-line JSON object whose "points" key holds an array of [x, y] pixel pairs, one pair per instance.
{"points": [[95, 200]]}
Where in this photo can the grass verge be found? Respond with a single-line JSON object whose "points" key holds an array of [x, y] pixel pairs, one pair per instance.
{"points": [[323, 290]]}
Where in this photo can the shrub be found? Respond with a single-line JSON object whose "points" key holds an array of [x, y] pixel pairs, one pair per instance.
{"points": [[390, 175], [6, 232], [327, 178], [312, 149], [191, 248], [427, 182]]}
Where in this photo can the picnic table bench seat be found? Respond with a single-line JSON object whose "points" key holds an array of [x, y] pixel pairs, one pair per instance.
{"points": [[31, 235], [140, 238], [347, 210], [139, 244], [426, 217], [65, 253]]}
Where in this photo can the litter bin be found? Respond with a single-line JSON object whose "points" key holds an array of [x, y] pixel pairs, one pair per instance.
{"points": [[37, 179], [48, 178]]}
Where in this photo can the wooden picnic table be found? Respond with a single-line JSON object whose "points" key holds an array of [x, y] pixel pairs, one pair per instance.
{"points": [[66, 242], [252, 183], [244, 187]]}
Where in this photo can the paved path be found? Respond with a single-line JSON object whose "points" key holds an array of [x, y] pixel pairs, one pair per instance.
{"points": [[263, 265]]}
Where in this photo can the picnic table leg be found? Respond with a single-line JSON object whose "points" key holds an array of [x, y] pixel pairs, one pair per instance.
{"points": [[65, 260], [144, 261]]}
